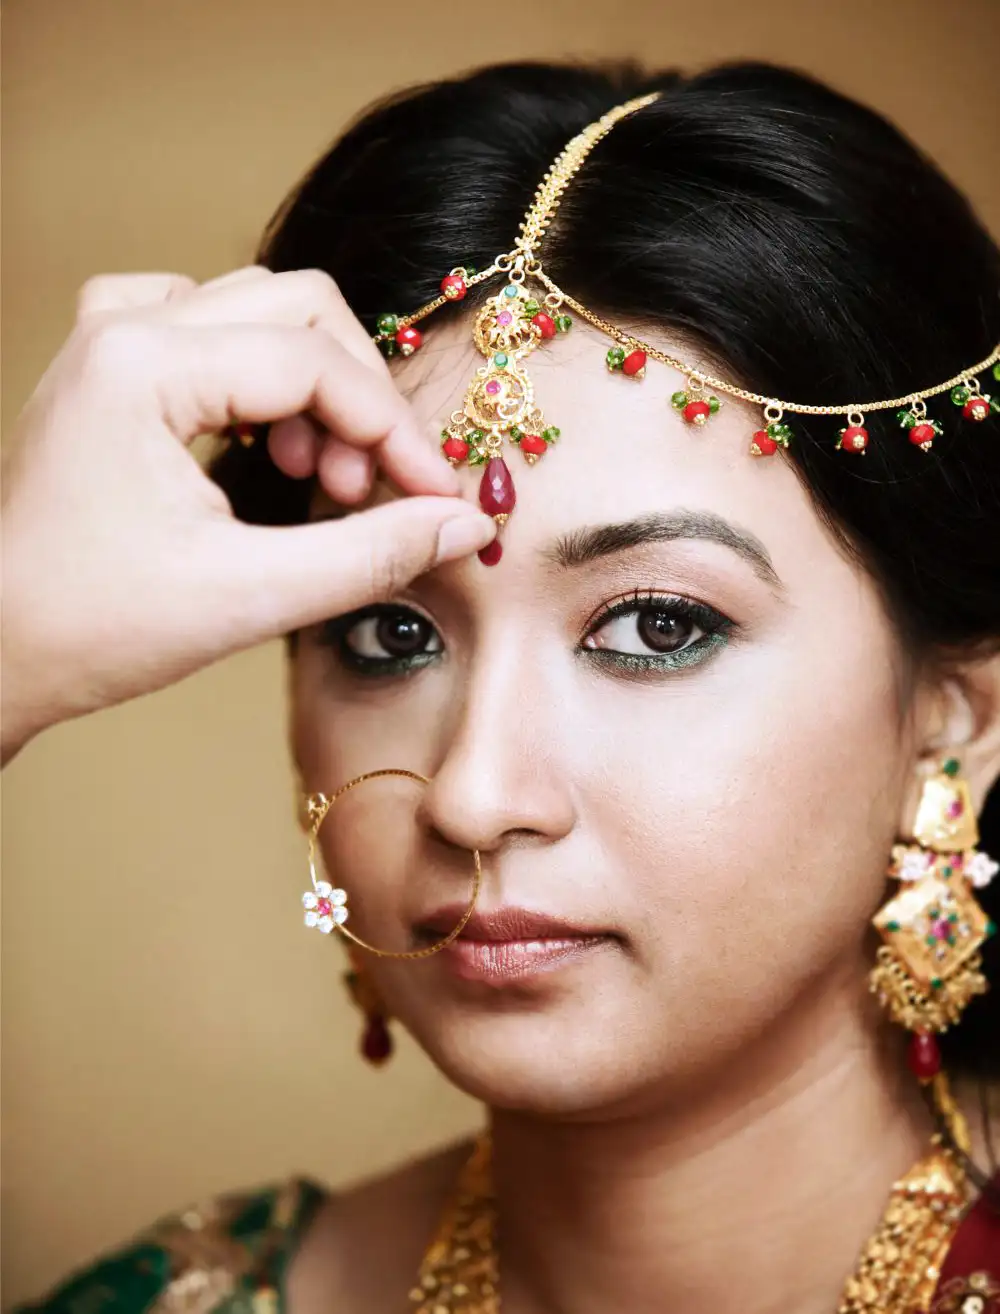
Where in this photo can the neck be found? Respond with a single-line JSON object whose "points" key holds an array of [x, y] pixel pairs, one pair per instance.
{"points": [[756, 1195]]}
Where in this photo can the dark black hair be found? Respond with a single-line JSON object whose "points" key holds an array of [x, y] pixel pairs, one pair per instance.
{"points": [[787, 230]]}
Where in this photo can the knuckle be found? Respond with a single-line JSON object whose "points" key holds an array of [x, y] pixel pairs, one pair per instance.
{"points": [[121, 349], [318, 285], [95, 293]]}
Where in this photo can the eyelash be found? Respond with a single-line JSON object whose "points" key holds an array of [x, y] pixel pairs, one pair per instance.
{"points": [[716, 633]]}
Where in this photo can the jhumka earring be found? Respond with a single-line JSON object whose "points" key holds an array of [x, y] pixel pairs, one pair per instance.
{"points": [[326, 907], [376, 1038], [929, 965]]}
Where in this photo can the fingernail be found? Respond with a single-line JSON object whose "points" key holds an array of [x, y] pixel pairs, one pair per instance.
{"points": [[464, 534]]}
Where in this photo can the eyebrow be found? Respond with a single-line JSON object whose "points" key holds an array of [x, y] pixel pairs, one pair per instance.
{"points": [[583, 546]]}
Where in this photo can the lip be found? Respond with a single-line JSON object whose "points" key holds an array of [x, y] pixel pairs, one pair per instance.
{"points": [[509, 944]]}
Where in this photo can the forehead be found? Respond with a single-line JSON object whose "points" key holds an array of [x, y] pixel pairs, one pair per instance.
{"points": [[624, 452]]}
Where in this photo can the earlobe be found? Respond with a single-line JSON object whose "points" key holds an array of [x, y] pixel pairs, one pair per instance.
{"points": [[969, 725]]}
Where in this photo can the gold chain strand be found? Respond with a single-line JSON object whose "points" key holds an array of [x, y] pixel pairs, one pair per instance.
{"points": [[896, 1273]]}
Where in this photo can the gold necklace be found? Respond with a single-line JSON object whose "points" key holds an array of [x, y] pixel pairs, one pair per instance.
{"points": [[896, 1274]]}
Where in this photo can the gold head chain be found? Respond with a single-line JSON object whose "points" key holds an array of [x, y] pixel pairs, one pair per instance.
{"points": [[531, 309]]}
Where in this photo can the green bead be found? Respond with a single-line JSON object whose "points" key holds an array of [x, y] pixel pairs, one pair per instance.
{"points": [[563, 323], [714, 404], [935, 983], [516, 434], [892, 926], [476, 436], [945, 871], [551, 434], [387, 323], [906, 418], [616, 358], [531, 308], [779, 432], [679, 400], [500, 360], [991, 928], [510, 290], [996, 371], [995, 405], [470, 271], [951, 767], [960, 395]]}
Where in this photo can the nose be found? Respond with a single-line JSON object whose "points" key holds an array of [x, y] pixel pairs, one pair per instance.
{"points": [[502, 772]]}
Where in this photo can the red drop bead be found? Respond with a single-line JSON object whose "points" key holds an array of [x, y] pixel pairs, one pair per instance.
{"points": [[545, 324], [533, 445], [491, 553], [634, 364], [376, 1043], [924, 1056], [453, 287], [976, 408], [762, 444], [854, 438], [496, 489], [922, 435], [455, 449], [409, 340], [696, 412]]}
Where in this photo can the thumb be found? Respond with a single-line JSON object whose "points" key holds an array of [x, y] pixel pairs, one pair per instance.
{"points": [[280, 579]]}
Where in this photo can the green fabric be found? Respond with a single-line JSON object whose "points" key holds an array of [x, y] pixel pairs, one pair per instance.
{"points": [[230, 1257]]}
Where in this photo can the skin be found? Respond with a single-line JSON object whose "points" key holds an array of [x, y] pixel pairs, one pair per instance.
{"points": [[725, 821]]}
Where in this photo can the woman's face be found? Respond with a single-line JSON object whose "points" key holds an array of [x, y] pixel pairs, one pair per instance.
{"points": [[669, 719]]}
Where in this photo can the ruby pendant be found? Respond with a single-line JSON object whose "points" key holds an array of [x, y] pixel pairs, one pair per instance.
{"points": [[497, 496]]}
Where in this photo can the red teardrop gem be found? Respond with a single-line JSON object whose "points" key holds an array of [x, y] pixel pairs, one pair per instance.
{"points": [[376, 1043], [924, 1056], [491, 553], [496, 491]]}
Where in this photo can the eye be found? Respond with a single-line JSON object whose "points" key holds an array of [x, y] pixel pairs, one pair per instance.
{"points": [[645, 632], [382, 639]]}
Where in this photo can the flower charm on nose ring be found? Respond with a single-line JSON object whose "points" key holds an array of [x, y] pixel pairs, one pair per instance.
{"points": [[325, 907]]}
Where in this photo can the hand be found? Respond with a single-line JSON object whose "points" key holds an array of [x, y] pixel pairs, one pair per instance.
{"points": [[124, 567]]}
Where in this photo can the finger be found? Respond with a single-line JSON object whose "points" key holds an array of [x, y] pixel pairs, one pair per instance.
{"points": [[305, 296], [234, 277], [109, 292], [293, 445], [276, 580], [208, 377], [345, 472]]}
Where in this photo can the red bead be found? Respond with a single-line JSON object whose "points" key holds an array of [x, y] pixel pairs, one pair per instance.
{"points": [[491, 553], [696, 412], [453, 287], [545, 324], [634, 364], [922, 435], [409, 340], [455, 449], [762, 444], [976, 408], [496, 489], [924, 1056], [854, 438], [533, 445], [376, 1043]]}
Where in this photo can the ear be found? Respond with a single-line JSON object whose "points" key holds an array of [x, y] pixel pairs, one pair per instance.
{"points": [[963, 719]]}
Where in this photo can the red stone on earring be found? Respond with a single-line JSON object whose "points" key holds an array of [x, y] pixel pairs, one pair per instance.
{"points": [[854, 438], [491, 553], [976, 408], [697, 412], [453, 286], [545, 324], [762, 444], [376, 1043], [924, 1056], [533, 446], [455, 449]]}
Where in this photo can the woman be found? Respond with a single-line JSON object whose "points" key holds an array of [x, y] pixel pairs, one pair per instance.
{"points": [[682, 712]]}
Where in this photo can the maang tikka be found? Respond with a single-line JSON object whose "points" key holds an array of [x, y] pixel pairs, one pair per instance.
{"points": [[929, 966]]}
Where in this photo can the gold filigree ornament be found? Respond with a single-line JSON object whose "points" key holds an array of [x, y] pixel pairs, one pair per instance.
{"points": [[929, 966], [531, 309]]}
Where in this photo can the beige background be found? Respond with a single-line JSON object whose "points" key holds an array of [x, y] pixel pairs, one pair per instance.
{"points": [[169, 1028]]}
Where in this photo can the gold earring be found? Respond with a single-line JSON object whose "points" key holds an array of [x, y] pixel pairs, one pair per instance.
{"points": [[326, 907], [376, 1039], [928, 967]]}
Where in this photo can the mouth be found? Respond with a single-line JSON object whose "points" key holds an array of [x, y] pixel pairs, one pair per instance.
{"points": [[509, 944]]}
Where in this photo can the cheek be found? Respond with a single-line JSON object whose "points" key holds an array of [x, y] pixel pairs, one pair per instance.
{"points": [[753, 808]]}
